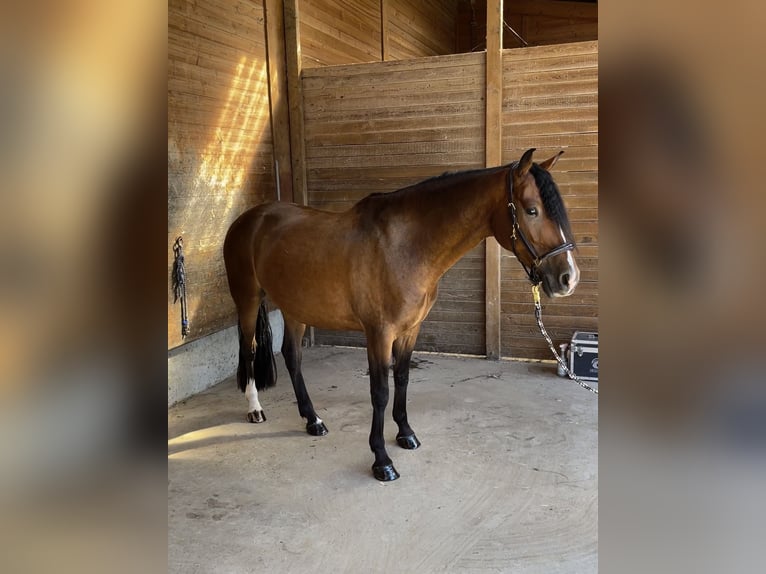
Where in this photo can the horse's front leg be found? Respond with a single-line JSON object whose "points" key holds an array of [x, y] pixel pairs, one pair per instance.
{"points": [[403, 347], [379, 357]]}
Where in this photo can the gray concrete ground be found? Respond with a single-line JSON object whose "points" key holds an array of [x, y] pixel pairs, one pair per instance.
{"points": [[505, 480]]}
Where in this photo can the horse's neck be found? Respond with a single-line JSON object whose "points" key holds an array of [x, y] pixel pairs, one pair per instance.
{"points": [[452, 220]]}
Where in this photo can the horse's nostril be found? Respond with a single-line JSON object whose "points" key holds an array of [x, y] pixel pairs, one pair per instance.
{"points": [[564, 279]]}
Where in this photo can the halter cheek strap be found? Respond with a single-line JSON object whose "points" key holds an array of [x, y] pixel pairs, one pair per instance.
{"points": [[537, 260]]}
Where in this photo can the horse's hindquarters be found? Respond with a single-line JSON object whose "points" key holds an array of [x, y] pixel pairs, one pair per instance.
{"points": [[302, 260]]}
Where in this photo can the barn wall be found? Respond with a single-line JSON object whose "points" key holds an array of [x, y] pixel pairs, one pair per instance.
{"points": [[336, 32], [379, 127], [220, 159], [550, 102], [539, 22], [416, 29]]}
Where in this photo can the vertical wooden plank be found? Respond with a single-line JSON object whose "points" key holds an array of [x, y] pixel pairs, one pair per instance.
{"points": [[278, 101], [295, 99], [494, 82], [494, 150], [384, 36]]}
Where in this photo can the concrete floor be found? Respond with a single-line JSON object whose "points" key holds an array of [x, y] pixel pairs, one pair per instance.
{"points": [[505, 481]]}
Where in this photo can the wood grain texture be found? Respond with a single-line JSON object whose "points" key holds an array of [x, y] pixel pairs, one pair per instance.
{"points": [[220, 150], [538, 22], [379, 127], [337, 32], [278, 96], [551, 103], [294, 61], [423, 28], [493, 157]]}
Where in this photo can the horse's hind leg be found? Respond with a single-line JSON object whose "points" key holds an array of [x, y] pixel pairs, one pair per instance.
{"points": [[247, 294], [292, 351], [248, 315], [402, 348]]}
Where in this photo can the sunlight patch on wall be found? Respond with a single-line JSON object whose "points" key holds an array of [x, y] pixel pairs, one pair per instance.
{"points": [[238, 132], [227, 168]]}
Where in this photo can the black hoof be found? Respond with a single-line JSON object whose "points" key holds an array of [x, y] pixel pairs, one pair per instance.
{"points": [[316, 429], [410, 442], [256, 417], [385, 473]]}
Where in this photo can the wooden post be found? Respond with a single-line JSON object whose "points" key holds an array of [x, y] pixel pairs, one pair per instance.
{"points": [[278, 102], [494, 153], [384, 30], [295, 99]]}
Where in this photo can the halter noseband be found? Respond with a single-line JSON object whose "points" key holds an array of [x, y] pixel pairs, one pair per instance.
{"points": [[532, 273]]}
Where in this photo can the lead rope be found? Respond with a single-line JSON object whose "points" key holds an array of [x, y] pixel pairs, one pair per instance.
{"points": [[539, 317], [179, 283]]}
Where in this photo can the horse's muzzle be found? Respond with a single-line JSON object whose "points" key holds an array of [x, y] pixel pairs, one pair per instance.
{"points": [[560, 280]]}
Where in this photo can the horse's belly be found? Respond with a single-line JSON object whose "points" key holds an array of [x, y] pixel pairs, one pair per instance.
{"points": [[321, 314], [310, 300], [316, 311], [302, 264]]}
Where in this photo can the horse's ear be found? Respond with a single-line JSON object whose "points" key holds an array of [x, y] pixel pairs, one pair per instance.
{"points": [[525, 163], [549, 163]]}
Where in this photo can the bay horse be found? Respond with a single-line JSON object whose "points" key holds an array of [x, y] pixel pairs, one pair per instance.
{"points": [[375, 268]]}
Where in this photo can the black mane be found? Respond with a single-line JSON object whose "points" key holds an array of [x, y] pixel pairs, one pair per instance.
{"points": [[549, 192], [447, 175]]}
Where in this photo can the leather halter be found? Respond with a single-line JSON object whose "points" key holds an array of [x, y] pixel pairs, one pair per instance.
{"points": [[532, 273]]}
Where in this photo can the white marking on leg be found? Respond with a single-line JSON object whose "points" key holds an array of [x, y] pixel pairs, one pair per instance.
{"points": [[251, 393]]}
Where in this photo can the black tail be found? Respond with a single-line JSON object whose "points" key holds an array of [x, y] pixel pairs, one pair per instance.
{"points": [[265, 366]]}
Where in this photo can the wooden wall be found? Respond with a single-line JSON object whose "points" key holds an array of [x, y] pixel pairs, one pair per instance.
{"points": [[220, 159], [550, 102], [369, 128], [415, 29], [539, 22], [379, 127], [335, 32]]}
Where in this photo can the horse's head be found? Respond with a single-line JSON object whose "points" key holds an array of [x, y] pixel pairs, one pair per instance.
{"points": [[533, 224]]}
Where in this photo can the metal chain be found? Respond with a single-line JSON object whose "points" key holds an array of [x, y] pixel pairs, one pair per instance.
{"points": [[539, 317]]}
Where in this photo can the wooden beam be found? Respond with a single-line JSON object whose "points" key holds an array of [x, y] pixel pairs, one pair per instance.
{"points": [[494, 152], [274, 11], [294, 61], [295, 99], [384, 34]]}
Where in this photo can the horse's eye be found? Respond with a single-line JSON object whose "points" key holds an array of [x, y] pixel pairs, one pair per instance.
{"points": [[531, 211]]}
